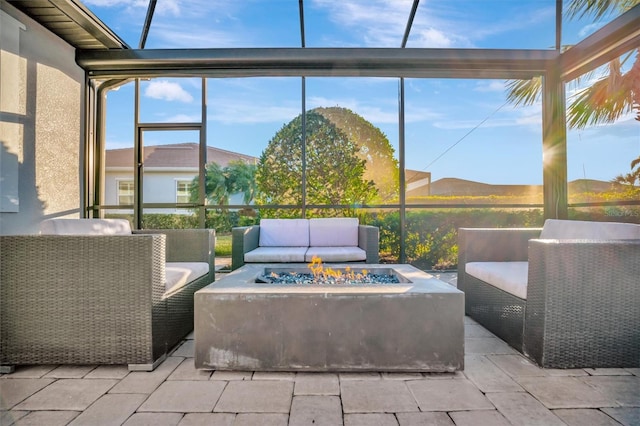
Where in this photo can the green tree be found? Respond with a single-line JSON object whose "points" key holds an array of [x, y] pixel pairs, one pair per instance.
{"points": [[222, 182], [334, 172], [373, 147], [612, 95]]}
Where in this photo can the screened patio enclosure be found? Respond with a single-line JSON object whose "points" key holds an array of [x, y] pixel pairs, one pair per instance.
{"points": [[408, 78]]}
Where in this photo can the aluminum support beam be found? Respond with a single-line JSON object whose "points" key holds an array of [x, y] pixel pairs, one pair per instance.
{"points": [[611, 41], [327, 62]]}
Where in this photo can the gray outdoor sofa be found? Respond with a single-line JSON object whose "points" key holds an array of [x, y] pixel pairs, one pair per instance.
{"points": [[566, 295], [94, 292], [299, 240]]}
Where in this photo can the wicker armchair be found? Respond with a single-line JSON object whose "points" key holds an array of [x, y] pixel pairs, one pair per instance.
{"points": [[87, 299], [581, 307]]}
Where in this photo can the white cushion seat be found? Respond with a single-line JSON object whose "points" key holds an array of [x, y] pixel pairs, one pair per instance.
{"points": [[275, 254], [511, 277], [177, 274], [336, 254]]}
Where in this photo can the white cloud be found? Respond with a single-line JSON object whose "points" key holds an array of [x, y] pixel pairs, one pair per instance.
{"points": [[589, 29], [183, 118], [239, 111], [491, 86], [168, 91]]}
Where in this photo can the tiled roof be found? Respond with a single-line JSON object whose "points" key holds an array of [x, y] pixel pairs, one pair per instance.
{"points": [[175, 155]]}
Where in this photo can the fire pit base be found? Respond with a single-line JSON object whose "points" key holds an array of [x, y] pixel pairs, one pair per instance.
{"points": [[416, 325]]}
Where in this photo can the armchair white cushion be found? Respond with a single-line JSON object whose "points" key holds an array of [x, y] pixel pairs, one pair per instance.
{"points": [[85, 227]]}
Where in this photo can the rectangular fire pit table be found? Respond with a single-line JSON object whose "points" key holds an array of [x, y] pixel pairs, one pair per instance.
{"points": [[416, 325]]}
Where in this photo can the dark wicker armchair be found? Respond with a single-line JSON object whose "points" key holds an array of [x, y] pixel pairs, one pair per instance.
{"points": [[87, 299], [581, 307]]}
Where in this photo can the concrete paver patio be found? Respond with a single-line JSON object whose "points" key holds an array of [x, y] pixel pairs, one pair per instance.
{"points": [[498, 387]]}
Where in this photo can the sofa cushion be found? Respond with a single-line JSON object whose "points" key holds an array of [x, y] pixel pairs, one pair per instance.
{"points": [[85, 227], [511, 277], [336, 254], [284, 233], [180, 273], [275, 254], [588, 230], [333, 232]]}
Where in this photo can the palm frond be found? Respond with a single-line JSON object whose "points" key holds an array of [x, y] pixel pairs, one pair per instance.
{"points": [[597, 8], [604, 101], [524, 92]]}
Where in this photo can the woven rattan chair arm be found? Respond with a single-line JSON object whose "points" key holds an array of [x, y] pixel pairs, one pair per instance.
{"points": [[243, 240], [369, 241]]}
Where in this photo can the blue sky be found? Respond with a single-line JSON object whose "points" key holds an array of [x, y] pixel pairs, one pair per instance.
{"points": [[454, 128]]}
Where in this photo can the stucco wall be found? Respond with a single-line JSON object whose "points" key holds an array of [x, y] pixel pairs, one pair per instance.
{"points": [[41, 124]]}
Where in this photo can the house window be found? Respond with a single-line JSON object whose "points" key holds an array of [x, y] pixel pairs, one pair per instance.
{"points": [[183, 191], [125, 192]]}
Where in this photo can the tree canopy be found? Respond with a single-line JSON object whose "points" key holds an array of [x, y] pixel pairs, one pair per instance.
{"points": [[222, 182], [335, 174]]}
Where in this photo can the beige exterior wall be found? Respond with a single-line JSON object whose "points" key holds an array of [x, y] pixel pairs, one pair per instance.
{"points": [[41, 125]]}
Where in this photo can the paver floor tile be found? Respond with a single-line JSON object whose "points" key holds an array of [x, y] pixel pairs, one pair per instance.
{"points": [[445, 376], [565, 372], [184, 396], [420, 419], [261, 419], [231, 375], [315, 410], [30, 371], [207, 419], [69, 372], [267, 375], [516, 365], [360, 376], [401, 376], [377, 419], [524, 410], [108, 372], [486, 346], [479, 418], [623, 389], [46, 418], [256, 396], [154, 419], [584, 416], [608, 372], [628, 416], [110, 410], [147, 381], [476, 330], [10, 417], [67, 394], [188, 371], [14, 391], [566, 392], [487, 376], [376, 396], [317, 384], [186, 349], [448, 395]]}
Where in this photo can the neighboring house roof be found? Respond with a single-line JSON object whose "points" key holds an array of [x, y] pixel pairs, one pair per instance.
{"points": [[179, 156]]}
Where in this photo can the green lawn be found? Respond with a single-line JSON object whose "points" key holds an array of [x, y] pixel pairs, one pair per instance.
{"points": [[223, 245]]}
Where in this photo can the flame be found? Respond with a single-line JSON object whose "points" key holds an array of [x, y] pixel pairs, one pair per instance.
{"points": [[320, 273]]}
